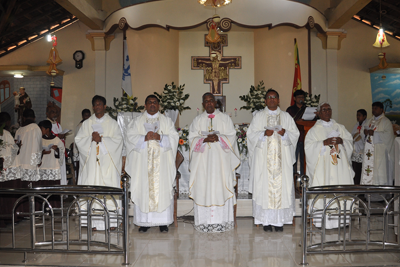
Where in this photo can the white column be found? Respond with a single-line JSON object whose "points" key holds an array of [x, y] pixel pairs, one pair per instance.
{"points": [[100, 44], [331, 81], [100, 73]]}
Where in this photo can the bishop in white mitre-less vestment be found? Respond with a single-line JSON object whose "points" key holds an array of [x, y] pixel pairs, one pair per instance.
{"points": [[378, 157], [328, 148], [272, 156], [213, 160], [152, 143], [100, 143]]}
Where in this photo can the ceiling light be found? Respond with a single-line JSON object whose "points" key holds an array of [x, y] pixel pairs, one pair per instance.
{"points": [[214, 3], [18, 75], [381, 40]]}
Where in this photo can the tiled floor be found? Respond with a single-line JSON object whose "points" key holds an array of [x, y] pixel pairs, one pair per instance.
{"points": [[247, 245]]}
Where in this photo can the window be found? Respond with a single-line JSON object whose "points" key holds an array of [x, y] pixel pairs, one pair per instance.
{"points": [[4, 90]]}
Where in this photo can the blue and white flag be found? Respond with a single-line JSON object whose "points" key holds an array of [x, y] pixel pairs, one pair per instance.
{"points": [[126, 84]]}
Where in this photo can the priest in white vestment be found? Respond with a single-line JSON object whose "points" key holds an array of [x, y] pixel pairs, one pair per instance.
{"points": [[272, 140], [213, 159], [29, 138], [99, 141], [328, 148], [152, 142], [378, 158], [52, 115]]}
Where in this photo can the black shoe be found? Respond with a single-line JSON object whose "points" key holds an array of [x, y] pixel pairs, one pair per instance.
{"points": [[278, 229], [267, 228], [143, 229], [164, 229]]}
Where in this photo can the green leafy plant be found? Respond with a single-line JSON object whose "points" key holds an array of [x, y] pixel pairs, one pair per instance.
{"points": [[172, 98], [255, 99]]}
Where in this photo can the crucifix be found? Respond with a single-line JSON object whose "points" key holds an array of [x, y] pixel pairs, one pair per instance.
{"points": [[216, 67]]}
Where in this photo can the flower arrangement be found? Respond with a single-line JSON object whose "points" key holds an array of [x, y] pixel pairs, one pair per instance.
{"points": [[241, 134], [311, 100], [255, 99], [172, 98], [125, 104], [183, 138]]}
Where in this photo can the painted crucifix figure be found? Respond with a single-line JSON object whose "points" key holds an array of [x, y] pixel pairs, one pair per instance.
{"points": [[215, 66]]}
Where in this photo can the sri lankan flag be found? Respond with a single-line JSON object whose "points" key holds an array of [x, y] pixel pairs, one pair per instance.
{"points": [[297, 73]]}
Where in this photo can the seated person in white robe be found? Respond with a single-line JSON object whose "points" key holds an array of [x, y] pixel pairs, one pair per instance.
{"points": [[213, 159], [152, 142], [328, 148], [272, 140], [378, 156], [29, 139], [99, 141], [53, 151]]}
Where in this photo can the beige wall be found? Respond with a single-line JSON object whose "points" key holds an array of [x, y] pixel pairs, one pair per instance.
{"points": [[154, 59], [78, 85], [354, 59], [274, 60], [191, 43]]}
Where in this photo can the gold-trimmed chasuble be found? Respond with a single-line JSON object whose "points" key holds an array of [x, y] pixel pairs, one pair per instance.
{"points": [[153, 169], [274, 164]]}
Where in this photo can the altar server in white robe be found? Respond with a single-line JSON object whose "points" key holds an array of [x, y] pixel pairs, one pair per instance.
{"points": [[272, 140], [29, 138], [358, 143], [328, 148], [52, 115], [152, 142], [99, 141], [9, 150], [378, 158], [52, 154], [213, 159]]}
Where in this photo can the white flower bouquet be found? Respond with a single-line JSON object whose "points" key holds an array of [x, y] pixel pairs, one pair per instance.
{"points": [[125, 104], [172, 98], [255, 99], [311, 100]]}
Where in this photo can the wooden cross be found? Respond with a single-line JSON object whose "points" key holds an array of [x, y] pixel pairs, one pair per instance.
{"points": [[216, 68]]}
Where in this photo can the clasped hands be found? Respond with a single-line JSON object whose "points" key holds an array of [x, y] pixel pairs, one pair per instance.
{"points": [[271, 132], [96, 137], [333, 141], [369, 132], [211, 138], [152, 136]]}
